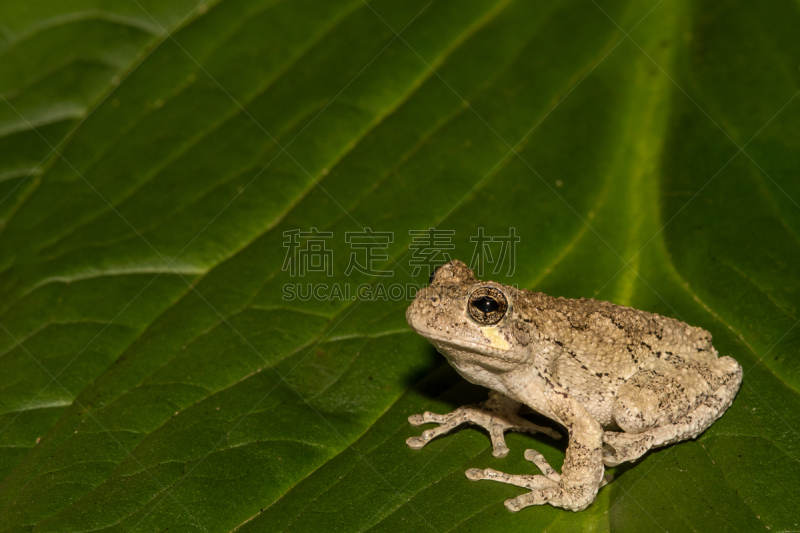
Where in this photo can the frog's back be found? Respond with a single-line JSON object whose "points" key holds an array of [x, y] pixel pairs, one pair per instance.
{"points": [[598, 345], [587, 323]]}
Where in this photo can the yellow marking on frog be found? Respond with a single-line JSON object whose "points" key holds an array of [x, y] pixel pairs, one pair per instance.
{"points": [[498, 341]]}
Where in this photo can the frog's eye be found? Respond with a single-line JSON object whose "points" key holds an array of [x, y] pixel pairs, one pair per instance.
{"points": [[487, 305]]}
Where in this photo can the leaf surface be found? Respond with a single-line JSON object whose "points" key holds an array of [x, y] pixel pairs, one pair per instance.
{"points": [[155, 155]]}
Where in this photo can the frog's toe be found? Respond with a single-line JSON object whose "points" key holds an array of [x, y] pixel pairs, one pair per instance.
{"points": [[475, 474], [525, 481], [416, 443], [534, 497], [515, 505], [416, 420], [427, 418], [497, 434], [500, 450], [555, 496], [542, 464]]}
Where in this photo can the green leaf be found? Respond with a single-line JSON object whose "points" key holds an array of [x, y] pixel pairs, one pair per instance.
{"points": [[154, 155]]}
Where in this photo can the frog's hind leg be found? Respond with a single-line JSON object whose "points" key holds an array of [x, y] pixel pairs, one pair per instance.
{"points": [[626, 446]]}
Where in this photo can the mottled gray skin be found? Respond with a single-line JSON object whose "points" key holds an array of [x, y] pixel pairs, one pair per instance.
{"points": [[621, 381]]}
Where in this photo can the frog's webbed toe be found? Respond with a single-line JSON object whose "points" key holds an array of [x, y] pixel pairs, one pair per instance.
{"points": [[496, 421]]}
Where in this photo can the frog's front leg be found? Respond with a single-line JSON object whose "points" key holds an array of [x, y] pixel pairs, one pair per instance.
{"points": [[582, 475], [497, 415]]}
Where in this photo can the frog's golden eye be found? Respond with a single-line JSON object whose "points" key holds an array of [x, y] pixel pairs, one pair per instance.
{"points": [[487, 305]]}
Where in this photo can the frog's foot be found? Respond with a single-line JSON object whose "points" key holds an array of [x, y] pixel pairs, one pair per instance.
{"points": [[619, 447], [496, 422], [545, 488]]}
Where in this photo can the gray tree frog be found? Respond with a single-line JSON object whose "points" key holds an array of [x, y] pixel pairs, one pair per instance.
{"points": [[621, 381]]}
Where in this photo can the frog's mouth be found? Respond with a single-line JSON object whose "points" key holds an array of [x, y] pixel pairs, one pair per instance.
{"points": [[488, 348], [463, 355]]}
